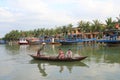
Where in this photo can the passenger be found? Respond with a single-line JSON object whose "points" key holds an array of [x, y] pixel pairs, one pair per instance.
{"points": [[69, 53], [61, 54]]}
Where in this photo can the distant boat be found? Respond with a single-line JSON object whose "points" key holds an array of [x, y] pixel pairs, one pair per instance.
{"points": [[2, 42], [111, 37], [34, 41], [69, 42], [54, 41], [89, 39], [22, 41]]}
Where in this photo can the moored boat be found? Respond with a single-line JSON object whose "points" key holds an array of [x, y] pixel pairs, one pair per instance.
{"points": [[54, 58], [68, 42], [22, 41], [34, 41], [2, 42], [54, 41], [111, 38]]}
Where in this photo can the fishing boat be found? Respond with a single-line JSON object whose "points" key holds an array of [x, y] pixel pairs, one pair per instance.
{"points": [[54, 58], [69, 41], [34, 41], [54, 41], [22, 41], [2, 42], [111, 38]]}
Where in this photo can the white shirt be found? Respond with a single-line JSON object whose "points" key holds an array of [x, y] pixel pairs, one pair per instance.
{"points": [[69, 54]]}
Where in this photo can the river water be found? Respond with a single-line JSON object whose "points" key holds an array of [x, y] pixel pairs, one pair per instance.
{"points": [[102, 63]]}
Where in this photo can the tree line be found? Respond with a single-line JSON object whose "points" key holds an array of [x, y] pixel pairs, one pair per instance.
{"points": [[85, 26]]}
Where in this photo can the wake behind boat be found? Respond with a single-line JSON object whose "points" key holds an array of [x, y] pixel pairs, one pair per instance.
{"points": [[54, 58]]}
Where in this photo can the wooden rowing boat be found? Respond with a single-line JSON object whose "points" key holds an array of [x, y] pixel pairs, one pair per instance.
{"points": [[54, 58]]}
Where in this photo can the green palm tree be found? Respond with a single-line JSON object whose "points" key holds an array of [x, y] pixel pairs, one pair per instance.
{"points": [[69, 27], [84, 26], [87, 26], [64, 30], [118, 19], [58, 30], [110, 23], [81, 25]]}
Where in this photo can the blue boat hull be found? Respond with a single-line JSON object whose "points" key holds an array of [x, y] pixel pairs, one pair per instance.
{"points": [[109, 41], [2, 42], [69, 43]]}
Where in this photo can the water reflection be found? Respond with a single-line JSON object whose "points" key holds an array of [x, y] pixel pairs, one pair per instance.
{"points": [[102, 54], [104, 63], [12, 49], [16, 49], [42, 65], [94, 53], [42, 69]]}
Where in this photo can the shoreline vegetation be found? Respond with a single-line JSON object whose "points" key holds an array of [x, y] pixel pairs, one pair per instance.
{"points": [[60, 31]]}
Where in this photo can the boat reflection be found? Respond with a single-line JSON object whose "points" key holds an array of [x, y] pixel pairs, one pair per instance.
{"points": [[43, 65]]}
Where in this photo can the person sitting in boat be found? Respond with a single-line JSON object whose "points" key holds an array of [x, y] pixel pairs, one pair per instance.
{"points": [[61, 54], [69, 53]]}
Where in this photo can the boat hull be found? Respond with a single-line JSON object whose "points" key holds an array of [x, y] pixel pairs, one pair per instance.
{"points": [[23, 43], [54, 43], [2, 42], [70, 42], [54, 58], [34, 42]]}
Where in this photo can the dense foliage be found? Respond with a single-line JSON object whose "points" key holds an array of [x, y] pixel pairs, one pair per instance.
{"points": [[85, 26]]}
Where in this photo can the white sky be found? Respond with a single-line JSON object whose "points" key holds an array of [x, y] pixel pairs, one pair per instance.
{"points": [[33, 14]]}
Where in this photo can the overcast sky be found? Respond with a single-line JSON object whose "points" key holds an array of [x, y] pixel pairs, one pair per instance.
{"points": [[33, 14]]}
